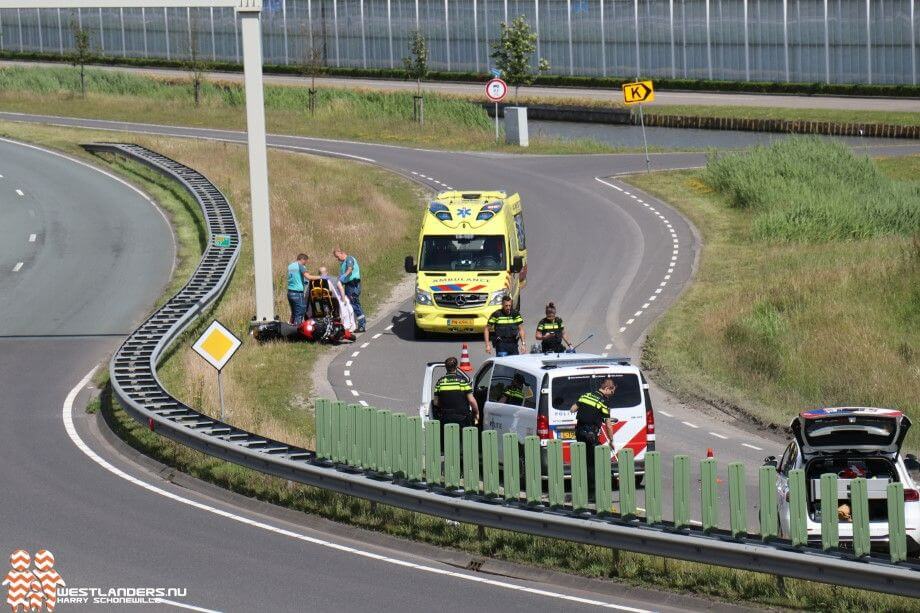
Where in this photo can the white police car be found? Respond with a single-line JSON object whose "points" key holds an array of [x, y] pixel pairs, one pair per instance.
{"points": [[850, 442], [549, 385]]}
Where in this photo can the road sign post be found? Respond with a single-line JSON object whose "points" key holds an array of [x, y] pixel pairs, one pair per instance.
{"points": [[639, 92], [217, 345], [496, 90]]}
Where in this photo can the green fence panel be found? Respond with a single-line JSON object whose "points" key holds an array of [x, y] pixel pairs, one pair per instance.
{"points": [[897, 534], [433, 452], [402, 457], [603, 480], [471, 459], [830, 522], [389, 451], [737, 499], [353, 457], [364, 437], [626, 469], [681, 486], [709, 494], [415, 448], [579, 476], [859, 504], [533, 478], [653, 487], [379, 440], [768, 509], [798, 528], [321, 420], [452, 456], [490, 479], [511, 466], [555, 473], [338, 431], [392, 443]]}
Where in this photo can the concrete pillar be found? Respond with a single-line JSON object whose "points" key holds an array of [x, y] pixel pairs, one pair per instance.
{"points": [[516, 126], [258, 164]]}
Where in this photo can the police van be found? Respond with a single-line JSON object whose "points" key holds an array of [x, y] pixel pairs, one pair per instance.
{"points": [[545, 386], [472, 251]]}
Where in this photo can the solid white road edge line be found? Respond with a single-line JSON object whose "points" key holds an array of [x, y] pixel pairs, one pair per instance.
{"points": [[67, 416], [182, 605]]}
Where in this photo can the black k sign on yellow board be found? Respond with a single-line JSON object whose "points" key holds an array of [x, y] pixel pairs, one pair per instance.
{"points": [[638, 92]]}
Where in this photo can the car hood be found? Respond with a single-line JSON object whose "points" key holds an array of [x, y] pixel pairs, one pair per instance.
{"points": [[850, 429]]}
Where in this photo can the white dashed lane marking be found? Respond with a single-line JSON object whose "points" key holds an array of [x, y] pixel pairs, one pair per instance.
{"points": [[378, 335], [363, 403], [674, 253], [388, 328], [349, 383], [17, 267], [364, 345], [355, 354], [665, 413], [348, 363], [689, 425], [32, 238], [717, 435], [19, 191], [347, 373], [754, 447], [354, 393]]}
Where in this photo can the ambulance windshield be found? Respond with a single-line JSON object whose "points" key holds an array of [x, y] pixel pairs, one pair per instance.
{"points": [[463, 252]]}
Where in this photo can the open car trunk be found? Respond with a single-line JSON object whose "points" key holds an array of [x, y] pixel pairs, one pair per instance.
{"points": [[878, 471]]}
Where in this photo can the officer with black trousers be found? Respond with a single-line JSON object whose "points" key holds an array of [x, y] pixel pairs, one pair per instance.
{"points": [[593, 414], [505, 329], [453, 400]]}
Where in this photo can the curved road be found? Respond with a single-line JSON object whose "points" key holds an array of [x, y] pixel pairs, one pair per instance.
{"points": [[101, 256]]}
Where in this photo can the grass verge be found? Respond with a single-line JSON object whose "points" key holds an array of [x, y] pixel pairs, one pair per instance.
{"points": [[317, 204], [450, 122], [808, 291]]}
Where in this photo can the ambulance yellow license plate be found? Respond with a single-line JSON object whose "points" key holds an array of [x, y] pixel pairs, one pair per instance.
{"points": [[567, 435]]}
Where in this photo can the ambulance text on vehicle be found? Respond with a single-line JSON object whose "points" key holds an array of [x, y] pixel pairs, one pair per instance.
{"points": [[472, 251]]}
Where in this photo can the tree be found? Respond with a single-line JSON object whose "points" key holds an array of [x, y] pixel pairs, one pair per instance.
{"points": [[313, 65], [196, 65], [417, 68], [512, 53], [82, 53]]}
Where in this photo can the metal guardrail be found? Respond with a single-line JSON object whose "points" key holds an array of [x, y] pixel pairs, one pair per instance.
{"points": [[137, 387]]}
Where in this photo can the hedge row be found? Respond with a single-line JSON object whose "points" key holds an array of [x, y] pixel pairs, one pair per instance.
{"points": [[834, 89]]}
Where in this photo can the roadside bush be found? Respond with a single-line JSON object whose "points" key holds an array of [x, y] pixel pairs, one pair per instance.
{"points": [[807, 189]]}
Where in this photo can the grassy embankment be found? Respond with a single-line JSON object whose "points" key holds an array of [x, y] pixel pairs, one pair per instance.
{"points": [[279, 402], [450, 122], [267, 388], [808, 292]]}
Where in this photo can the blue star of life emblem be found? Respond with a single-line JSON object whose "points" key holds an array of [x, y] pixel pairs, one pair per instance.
{"points": [[464, 212]]}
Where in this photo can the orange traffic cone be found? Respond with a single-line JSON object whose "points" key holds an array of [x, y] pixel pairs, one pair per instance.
{"points": [[465, 364], [709, 453]]}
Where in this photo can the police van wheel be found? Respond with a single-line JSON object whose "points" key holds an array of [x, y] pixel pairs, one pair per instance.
{"points": [[418, 333]]}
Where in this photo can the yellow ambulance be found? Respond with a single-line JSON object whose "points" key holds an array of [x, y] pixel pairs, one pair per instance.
{"points": [[472, 251]]}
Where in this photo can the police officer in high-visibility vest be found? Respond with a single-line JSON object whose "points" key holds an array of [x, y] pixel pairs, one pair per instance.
{"points": [[505, 329], [453, 400], [593, 415], [551, 332], [514, 393]]}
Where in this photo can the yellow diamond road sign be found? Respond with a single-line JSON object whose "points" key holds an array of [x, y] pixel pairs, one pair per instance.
{"points": [[217, 345], [638, 92]]}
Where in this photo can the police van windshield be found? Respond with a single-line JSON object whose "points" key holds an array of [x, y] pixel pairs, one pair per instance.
{"points": [[448, 253], [566, 390]]}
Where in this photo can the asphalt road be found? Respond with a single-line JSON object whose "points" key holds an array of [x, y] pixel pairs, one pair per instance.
{"points": [[114, 523], [613, 96]]}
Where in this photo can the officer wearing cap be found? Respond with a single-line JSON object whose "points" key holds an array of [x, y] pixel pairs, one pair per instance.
{"points": [[505, 328], [593, 415], [453, 400], [551, 332]]}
